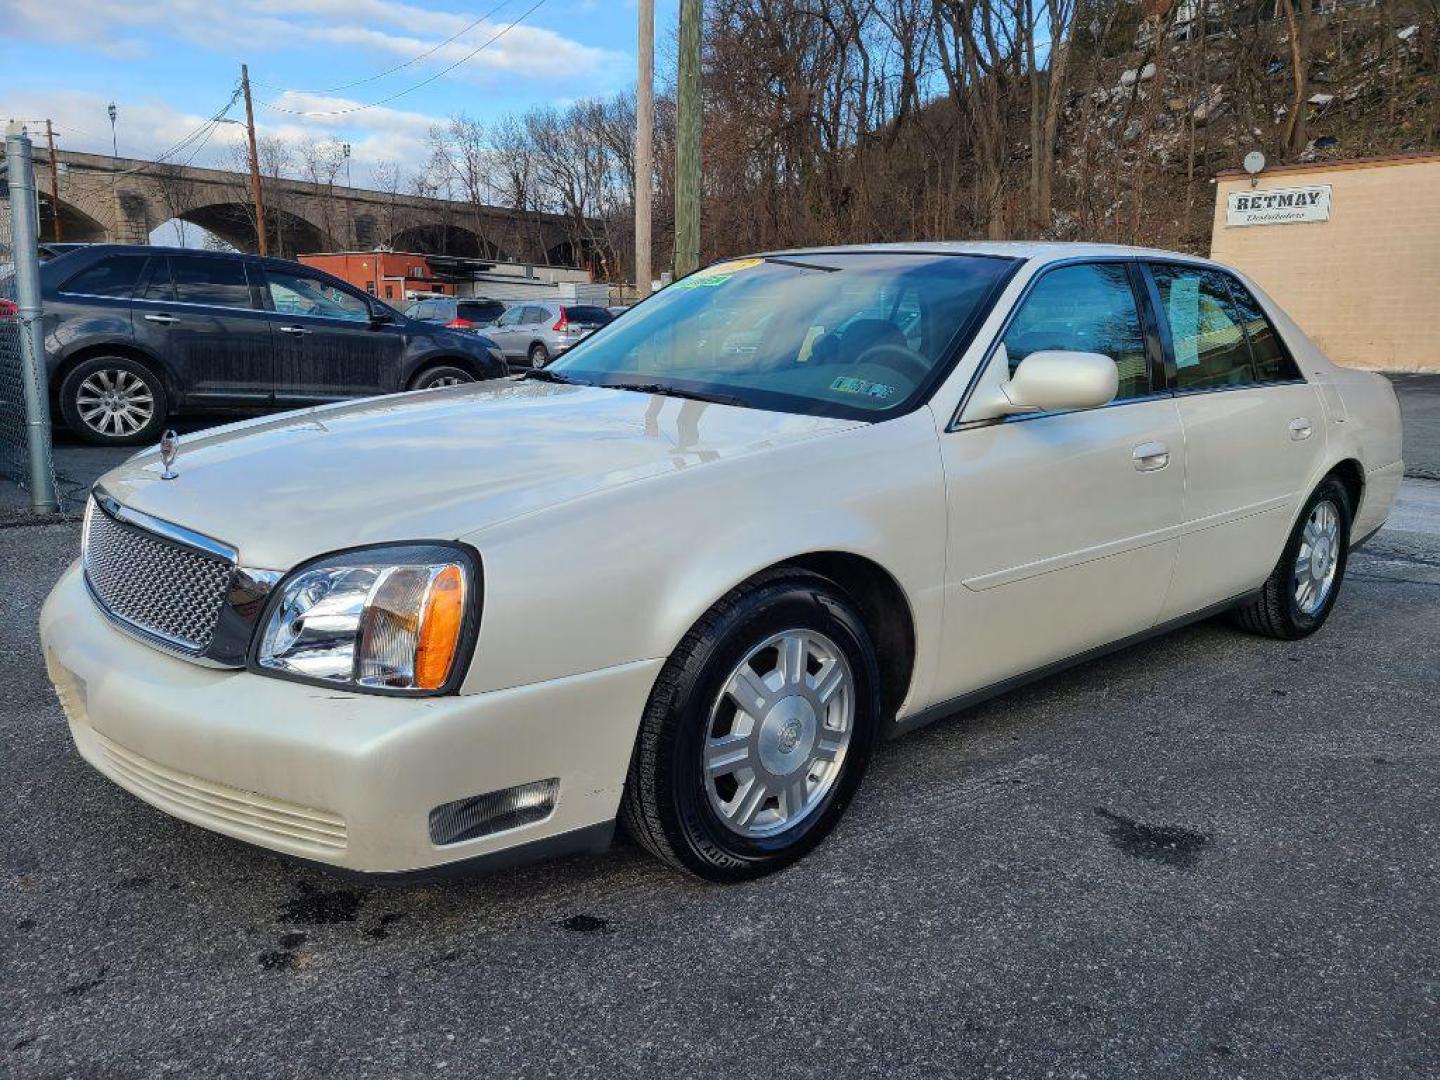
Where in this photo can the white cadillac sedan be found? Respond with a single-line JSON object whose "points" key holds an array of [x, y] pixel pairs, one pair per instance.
{"points": [[688, 577]]}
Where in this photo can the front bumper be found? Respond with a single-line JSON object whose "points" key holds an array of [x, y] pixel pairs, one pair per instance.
{"points": [[344, 779]]}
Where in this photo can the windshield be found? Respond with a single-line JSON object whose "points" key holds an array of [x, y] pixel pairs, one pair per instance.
{"points": [[854, 334]]}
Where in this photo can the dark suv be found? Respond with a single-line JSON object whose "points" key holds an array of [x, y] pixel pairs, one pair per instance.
{"points": [[136, 334]]}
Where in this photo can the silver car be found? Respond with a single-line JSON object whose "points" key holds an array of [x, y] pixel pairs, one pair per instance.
{"points": [[535, 332]]}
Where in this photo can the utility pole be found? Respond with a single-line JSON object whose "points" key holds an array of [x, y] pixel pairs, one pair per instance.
{"points": [[644, 146], [54, 186], [260, 242], [687, 142]]}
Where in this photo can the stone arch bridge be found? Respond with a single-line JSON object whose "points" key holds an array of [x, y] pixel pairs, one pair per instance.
{"points": [[121, 200]]}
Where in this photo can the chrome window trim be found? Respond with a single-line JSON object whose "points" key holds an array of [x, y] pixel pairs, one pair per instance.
{"points": [[199, 307], [956, 424], [245, 594]]}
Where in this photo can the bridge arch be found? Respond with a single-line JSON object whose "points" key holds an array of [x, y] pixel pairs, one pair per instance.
{"points": [[76, 226], [288, 233]]}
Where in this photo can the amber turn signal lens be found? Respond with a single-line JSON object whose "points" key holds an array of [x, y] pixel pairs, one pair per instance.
{"points": [[440, 628]]}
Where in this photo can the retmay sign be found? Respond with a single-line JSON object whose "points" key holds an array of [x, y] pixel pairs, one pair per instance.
{"points": [[1278, 206]]}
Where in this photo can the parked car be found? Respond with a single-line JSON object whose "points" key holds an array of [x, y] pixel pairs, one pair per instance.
{"points": [[458, 313], [692, 589], [534, 333], [134, 335]]}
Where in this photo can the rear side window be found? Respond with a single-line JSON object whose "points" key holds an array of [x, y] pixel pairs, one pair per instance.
{"points": [[113, 276], [1084, 308], [534, 315], [1205, 332], [215, 282], [1272, 362]]}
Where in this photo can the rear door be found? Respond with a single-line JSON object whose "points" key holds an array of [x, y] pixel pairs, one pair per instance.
{"points": [[202, 314], [1253, 432], [327, 347]]}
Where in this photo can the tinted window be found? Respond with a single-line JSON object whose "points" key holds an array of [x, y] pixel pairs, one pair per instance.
{"points": [[113, 276], [534, 315], [485, 311], [1087, 308], [159, 287], [219, 282], [856, 334], [300, 294], [1205, 331], [413, 311], [596, 315], [1272, 362]]}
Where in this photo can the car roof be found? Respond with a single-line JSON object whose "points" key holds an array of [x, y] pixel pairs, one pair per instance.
{"points": [[1044, 251]]}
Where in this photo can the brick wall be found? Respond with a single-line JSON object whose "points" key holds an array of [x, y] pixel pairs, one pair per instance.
{"points": [[1366, 283]]}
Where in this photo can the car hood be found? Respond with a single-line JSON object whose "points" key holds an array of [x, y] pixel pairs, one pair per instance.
{"points": [[435, 464]]}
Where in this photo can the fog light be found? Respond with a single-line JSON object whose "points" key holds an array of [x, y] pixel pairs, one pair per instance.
{"points": [[483, 815]]}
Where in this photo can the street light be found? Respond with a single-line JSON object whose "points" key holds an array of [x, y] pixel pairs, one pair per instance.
{"points": [[114, 170], [349, 207]]}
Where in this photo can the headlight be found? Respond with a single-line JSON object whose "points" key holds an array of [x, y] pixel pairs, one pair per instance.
{"points": [[395, 618]]}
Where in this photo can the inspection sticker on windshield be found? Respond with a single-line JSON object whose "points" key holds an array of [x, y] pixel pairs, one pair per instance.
{"points": [[864, 387], [717, 274]]}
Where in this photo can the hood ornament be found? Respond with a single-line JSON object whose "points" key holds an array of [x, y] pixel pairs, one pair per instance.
{"points": [[169, 450]]}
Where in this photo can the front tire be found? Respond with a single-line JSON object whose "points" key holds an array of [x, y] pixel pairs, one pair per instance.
{"points": [[758, 731], [1301, 591], [114, 401], [441, 375]]}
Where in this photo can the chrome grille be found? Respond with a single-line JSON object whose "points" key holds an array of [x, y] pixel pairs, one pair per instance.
{"points": [[164, 588]]}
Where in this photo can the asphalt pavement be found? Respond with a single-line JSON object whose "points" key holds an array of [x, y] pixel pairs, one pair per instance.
{"points": [[1209, 855]]}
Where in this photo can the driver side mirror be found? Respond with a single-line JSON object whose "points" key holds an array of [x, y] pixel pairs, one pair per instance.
{"points": [[1052, 380], [381, 318]]}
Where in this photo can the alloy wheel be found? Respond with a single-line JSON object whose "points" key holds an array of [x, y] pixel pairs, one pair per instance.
{"points": [[1318, 558], [115, 402], [778, 732]]}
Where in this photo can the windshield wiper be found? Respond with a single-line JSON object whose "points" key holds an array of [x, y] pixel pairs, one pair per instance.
{"points": [[665, 390]]}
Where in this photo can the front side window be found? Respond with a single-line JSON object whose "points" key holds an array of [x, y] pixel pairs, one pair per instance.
{"points": [[113, 276], [1084, 308], [300, 294], [511, 317], [860, 334], [214, 282], [1205, 329]]}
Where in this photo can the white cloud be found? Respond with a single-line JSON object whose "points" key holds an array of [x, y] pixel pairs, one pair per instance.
{"points": [[111, 26], [149, 127]]}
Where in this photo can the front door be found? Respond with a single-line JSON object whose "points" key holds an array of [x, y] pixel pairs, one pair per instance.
{"points": [[326, 345], [202, 315], [1254, 433], [506, 335], [1062, 525]]}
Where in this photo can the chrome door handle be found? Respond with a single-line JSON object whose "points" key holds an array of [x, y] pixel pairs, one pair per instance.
{"points": [[296, 330], [1300, 428], [1151, 456], [164, 320]]}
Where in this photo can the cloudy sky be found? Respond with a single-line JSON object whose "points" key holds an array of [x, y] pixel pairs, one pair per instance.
{"points": [[170, 64]]}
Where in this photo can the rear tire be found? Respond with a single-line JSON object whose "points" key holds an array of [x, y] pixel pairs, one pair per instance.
{"points": [[441, 375], [1301, 591], [539, 355], [729, 795], [114, 401]]}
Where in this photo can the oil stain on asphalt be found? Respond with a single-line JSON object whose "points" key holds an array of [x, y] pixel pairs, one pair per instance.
{"points": [[319, 907], [1167, 844]]}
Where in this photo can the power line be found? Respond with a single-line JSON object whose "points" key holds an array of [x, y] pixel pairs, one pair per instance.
{"points": [[411, 89], [388, 71]]}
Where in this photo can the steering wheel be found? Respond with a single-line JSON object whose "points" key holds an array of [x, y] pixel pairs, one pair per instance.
{"points": [[897, 359]]}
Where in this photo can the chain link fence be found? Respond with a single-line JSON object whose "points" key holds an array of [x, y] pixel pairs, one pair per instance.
{"points": [[25, 452]]}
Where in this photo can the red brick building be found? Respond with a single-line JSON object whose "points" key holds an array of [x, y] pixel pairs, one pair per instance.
{"points": [[390, 275]]}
